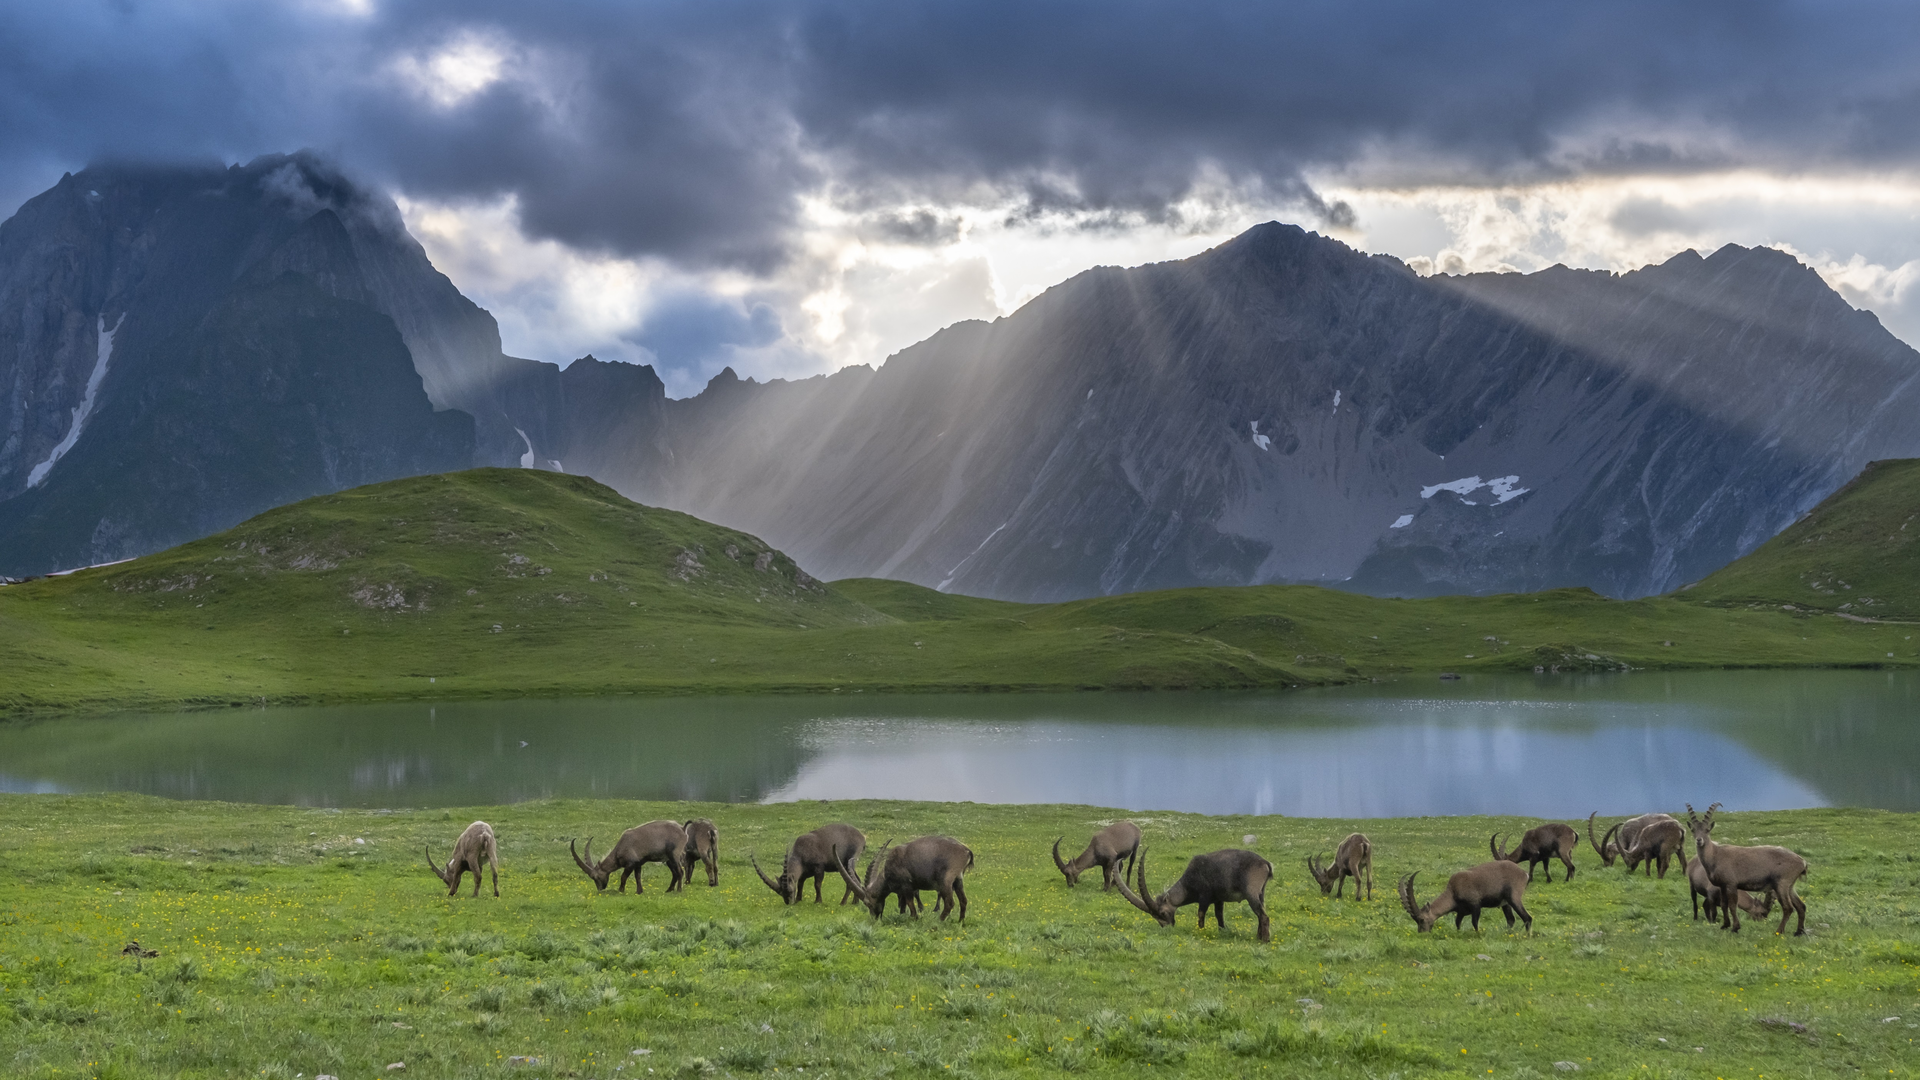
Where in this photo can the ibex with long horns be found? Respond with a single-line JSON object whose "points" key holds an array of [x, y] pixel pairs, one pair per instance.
{"points": [[1707, 894], [1352, 858], [1659, 842], [1622, 836], [1213, 880], [703, 844], [656, 841], [1767, 869], [475, 845], [1540, 846], [929, 862], [1493, 884], [1110, 847], [812, 856]]}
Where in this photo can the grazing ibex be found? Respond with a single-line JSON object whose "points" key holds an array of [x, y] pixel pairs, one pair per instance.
{"points": [[929, 862], [811, 856], [1769, 870], [1706, 893], [1493, 884], [1213, 880], [475, 845], [703, 844], [1540, 846], [1351, 859], [656, 841], [1609, 847], [1117, 843], [1659, 842]]}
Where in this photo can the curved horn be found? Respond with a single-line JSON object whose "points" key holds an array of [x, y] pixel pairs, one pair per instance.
{"points": [[1709, 818], [1057, 860], [859, 887], [1590, 840], [1133, 899], [1406, 897], [434, 866], [764, 877], [584, 865], [1608, 839], [1142, 868], [1493, 845]]}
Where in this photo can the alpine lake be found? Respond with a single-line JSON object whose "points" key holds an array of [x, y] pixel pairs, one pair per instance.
{"points": [[1551, 746]]}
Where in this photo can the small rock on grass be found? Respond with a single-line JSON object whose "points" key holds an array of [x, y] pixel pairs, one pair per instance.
{"points": [[398, 1066], [641, 1053], [1566, 1066], [520, 1060]]}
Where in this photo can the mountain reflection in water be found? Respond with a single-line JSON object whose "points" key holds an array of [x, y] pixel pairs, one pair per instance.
{"points": [[1541, 746]]}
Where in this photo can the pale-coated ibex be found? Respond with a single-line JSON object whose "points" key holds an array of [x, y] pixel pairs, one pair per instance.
{"points": [[1213, 880], [475, 845], [1352, 858], [1539, 847], [1768, 869], [1489, 885], [812, 856], [656, 841], [1110, 847], [928, 862], [1707, 894], [1622, 836], [1659, 842], [703, 844]]}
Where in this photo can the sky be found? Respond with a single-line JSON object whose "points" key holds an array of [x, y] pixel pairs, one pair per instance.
{"points": [[787, 188]]}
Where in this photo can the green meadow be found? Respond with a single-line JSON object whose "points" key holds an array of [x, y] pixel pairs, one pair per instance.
{"points": [[516, 583], [297, 941]]}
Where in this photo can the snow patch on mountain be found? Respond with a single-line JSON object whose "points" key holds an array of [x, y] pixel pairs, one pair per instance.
{"points": [[1259, 440], [102, 354], [1503, 489]]}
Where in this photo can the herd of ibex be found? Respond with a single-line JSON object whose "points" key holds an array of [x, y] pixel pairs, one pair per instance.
{"points": [[1754, 877]]}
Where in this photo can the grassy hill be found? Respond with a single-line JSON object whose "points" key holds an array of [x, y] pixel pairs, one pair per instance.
{"points": [[508, 582], [1857, 552]]}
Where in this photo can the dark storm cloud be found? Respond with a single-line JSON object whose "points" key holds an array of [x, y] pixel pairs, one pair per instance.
{"points": [[686, 129]]}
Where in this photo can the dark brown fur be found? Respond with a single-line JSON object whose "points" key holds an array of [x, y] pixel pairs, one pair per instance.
{"points": [[812, 856], [1540, 846], [1213, 880], [1492, 884], [703, 844], [656, 841], [1766, 869], [929, 862]]}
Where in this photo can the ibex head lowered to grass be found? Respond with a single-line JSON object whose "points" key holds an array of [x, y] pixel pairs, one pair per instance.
{"points": [[1493, 884], [1767, 869], [1353, 858], [1117, 843], [1660, 842], [1213, 880], [812, 856], [1621, 837], [656, 841], [703, 843], [475, 845], [1541, 845], [929, 862]]}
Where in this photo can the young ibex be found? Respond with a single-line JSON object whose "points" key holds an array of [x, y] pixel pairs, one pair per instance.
{"points": [[1352, 858], [1539, 847], [1659, 842], [1622, 836], [1769, 870], [1493, 884], [1117, 843], [811, 856], [656, 841], [929, 862], [1213, 880], [703, 844], [1706, 893], [475, 845]]}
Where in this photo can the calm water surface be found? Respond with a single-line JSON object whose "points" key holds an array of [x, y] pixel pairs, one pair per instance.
{"points": [[1547, 746]]}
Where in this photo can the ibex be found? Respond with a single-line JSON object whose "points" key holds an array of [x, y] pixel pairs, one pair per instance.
{"points": [[929, 862], [1659, 842], [1493, 884], [1708, 894], [1608, 847], [811, 856], [656, 841], [1769, 870], [474, 846], [1353, 857], [703, 843], [1540, 846], [1213, 880], [1117, 843]]}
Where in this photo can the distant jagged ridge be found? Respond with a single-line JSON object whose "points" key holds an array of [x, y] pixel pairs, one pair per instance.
{"points": [[1285, 409]]}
